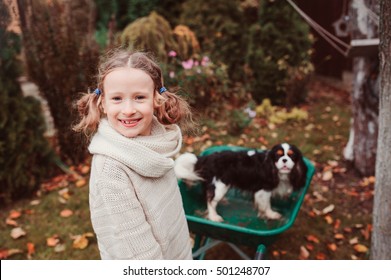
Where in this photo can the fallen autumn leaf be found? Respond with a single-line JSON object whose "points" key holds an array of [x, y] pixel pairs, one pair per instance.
{"points": [[17, 233], [360, 248]]}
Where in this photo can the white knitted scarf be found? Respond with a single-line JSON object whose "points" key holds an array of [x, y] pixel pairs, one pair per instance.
{"points": [[149, 156]]}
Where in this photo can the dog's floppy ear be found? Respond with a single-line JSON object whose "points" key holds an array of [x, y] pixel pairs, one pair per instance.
{"points": [[273, 180], [298, 174]]}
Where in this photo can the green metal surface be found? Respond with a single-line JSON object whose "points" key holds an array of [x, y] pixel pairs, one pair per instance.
{"points": [[241, 224]]}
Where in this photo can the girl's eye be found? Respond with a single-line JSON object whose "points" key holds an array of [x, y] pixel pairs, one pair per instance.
{"points": [[116, 98], [140, 97]]}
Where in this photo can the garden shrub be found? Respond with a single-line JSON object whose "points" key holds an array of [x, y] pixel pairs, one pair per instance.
{"points": [[203, 82], [62, 59], [261, 42], [25, 155], [279, 48], [152, 34], [220, 28], [239, 119], [277, 115], [187, 41], [115, 15]]}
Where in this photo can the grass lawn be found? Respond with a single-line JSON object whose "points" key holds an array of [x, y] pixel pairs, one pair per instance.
{"points": [[333, 223]]}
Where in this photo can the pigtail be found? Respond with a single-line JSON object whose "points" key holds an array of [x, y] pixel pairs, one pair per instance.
{"points": [[173, 109], [88, 107]]}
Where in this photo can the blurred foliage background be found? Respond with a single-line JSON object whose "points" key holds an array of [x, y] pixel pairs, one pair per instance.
{"points": [[226, 58]]}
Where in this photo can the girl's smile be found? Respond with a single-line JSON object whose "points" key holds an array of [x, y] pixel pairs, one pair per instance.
{"points": [[128, 101]]}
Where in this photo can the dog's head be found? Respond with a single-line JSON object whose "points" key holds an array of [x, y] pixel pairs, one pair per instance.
{"points": [[289, 160]]}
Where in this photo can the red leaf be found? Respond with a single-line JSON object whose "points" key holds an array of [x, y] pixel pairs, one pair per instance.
{"points": [[14, 214], [312, 238], [320, 256], [30, 249]]}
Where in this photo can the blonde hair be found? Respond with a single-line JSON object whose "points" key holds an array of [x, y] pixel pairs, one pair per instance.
{"points": [[169, 107]]}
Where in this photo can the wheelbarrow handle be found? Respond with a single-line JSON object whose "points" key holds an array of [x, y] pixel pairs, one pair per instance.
{"points": [[261, 252]]}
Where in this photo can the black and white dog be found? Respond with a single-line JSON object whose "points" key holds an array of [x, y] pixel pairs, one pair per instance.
{"points": [[278, 171]]}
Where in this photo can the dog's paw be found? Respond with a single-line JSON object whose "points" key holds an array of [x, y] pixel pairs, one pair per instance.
{"points": [[270, 214], [215, 218]]}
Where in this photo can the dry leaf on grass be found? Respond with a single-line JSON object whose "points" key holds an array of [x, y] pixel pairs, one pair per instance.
{"points": [[80, 183], [353, 241], [309, 247], [85, 169], [312, 238], [339, 236], [337, 224], [59, 248], [17, 233], [360, 248], [11, 222], [327, 175], [64, 193], [304, 254], [366, 232], [320, 256], [30, 249], [35, 202], [81, 241], [328, 209], [332, 247], [66, 213], [329, 219], [5, 253], [52, 241], [14, 214]]}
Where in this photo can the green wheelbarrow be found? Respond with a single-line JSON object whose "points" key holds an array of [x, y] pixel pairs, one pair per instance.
{"points": [[241, 225]]}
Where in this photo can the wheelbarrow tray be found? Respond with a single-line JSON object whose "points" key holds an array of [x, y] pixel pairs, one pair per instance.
{"points": [[241, 224]]}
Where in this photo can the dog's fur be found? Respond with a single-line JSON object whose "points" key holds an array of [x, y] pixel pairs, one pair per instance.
{"points": [[278, 171]]}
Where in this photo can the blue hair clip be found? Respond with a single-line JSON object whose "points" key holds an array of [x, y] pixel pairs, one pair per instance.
{"points": [[162, 89], [97, 91]]}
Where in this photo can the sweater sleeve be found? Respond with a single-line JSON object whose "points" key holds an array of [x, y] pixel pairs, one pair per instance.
{"points": [[117, 216]]}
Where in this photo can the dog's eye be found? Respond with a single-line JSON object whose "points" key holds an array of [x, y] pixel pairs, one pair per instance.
{"points": [[290, 152], [280, 152]]}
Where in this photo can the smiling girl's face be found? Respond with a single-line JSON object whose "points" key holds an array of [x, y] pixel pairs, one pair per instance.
{"points": [[128, 101]]}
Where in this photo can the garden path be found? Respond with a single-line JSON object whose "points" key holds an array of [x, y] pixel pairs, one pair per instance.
{"points": [[31, 89]]}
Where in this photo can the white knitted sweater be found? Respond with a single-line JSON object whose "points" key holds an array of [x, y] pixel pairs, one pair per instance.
{"points": [[135, 203]]}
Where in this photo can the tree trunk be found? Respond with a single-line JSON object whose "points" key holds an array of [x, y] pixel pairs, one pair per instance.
{"points": [[381, 236], [365, 95]]}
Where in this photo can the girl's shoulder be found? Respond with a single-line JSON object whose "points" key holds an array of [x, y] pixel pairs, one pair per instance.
{"points": [[105, 166]]}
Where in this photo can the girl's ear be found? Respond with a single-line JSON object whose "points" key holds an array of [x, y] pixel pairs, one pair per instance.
{"points": [[103, 104], [158, 100]]}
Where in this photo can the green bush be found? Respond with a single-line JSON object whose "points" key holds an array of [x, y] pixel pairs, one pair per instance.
{"points": [[25, 156], [261, 42], [239, 119], [126, 11], [152, 33], [279, 46], [62, 59], [220, 27]]}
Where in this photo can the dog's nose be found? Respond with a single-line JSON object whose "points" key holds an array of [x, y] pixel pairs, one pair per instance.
{"points": [[284, 160]]}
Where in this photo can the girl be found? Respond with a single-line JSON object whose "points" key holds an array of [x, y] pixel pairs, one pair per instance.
{"points": [[136, 207]]}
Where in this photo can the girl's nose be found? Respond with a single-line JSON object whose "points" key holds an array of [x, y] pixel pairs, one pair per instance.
{"points": [[128, 108]]}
